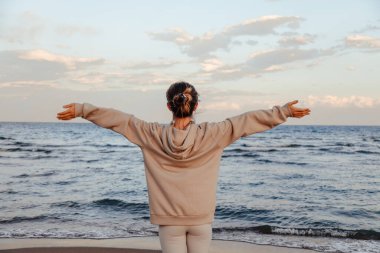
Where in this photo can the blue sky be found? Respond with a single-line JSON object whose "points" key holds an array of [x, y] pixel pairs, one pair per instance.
{"points": [[240, 56]]}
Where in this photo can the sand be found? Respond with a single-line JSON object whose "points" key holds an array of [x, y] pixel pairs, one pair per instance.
{"points": [[150, 244]]}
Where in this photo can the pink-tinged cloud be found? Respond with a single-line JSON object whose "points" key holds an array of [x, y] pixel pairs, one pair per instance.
{"points": [[363, 41], [221, 106], [297, 40], [69, 61], [348, 101]]}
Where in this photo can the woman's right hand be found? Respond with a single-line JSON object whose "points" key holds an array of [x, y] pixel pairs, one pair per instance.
{"points": [[68, 114], [298, 112]]}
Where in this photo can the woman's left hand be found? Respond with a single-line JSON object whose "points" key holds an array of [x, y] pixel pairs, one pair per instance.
{"points": [[298, 112], [68, 114]]}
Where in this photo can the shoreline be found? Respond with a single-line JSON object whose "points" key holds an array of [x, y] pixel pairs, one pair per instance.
{"points": [[137, 244]]}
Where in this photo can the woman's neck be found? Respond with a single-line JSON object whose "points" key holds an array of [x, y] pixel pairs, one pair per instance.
{"points": [[182, 123]]}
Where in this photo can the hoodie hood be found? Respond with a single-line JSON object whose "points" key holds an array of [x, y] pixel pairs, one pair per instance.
{"points": [[179, 143]]}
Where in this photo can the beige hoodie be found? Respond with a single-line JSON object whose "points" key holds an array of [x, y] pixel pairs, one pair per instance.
{"points": [[181, 166]]}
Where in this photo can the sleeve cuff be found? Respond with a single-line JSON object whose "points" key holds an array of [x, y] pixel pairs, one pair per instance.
{"points": [[287, 110], [78, 109]]}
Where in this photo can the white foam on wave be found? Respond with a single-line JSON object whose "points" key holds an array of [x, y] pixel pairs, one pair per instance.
{"points": [[310, 232], [322, 244]]}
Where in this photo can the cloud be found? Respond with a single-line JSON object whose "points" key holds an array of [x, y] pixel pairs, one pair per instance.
{"points": [[28, 28], [362, 41], [263, 59], [294, 41], [218, 93], [221, 106], [211, 64], [251, 42], [14, 68], [89, 78], [335, 101], [148, 78], [29, 83], [71, 63], [368, 28], [274, 68], [22, 67], [263, 62], [151, 64], [202, 46]]}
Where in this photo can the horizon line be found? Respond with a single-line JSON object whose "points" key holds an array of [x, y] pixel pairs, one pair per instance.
{"points": [[72, 122]]}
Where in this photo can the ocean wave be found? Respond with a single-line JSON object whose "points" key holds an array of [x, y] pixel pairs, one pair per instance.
{"points": [[5, 138], [247, 154], [72, 204], [295, 145], [335, 151], [65, 182], [280, 162], [235, 150], [256, 184], [108, 145], [120, 204], [264, 161], [18, 219], [9, 192], [329, 232], [85, 161], [22, 144], [295, 176], [268, 150], [295, 163], [45, 174], [312, 232], [107, 204], [358, 213], [366, 152], [349, 152], [241, 213], [344, 144], [46, 151]]}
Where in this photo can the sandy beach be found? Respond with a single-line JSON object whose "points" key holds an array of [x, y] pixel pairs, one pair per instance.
{"points": [[149, 244]]}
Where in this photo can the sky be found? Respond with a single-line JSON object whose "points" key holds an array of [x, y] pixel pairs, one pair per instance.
{"points": [[239, 55]]}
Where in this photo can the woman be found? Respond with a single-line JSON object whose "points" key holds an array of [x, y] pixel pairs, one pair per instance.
{"points": [[181, 160]]}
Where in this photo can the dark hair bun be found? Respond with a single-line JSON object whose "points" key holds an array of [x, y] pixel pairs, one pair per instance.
{"points": [[180, 99]]}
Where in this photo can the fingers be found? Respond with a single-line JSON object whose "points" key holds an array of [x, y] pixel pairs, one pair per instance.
{"points": [[65, 118], [68, 114], [68, 105], [64, 112], [63, 115], [301, 110], [302, 113], [293, 102]]}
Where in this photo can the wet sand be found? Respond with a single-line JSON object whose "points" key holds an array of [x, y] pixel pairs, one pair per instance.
{"points": [[149, 244]]}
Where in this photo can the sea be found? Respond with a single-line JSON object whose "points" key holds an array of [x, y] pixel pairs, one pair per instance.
{"points": [[312, 187]]}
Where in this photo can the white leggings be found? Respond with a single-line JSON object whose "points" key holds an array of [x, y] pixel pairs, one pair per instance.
{"points": [[185, 239]]}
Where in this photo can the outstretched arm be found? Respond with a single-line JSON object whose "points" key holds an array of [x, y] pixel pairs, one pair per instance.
{"points": [[134, 129], [232, 128]]}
